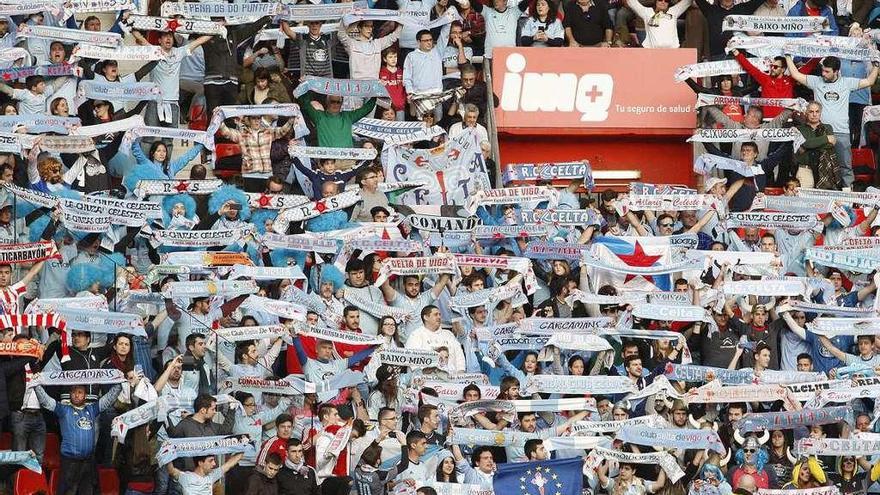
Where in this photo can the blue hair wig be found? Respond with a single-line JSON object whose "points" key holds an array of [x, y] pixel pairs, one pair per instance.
{"points": [[281, 257], [82, 276], [36, 228], [230, 193], [329, 274], [335, 220], [168, 204], [761, 458], [259, 219]]}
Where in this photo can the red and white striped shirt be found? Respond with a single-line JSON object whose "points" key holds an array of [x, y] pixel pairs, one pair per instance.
{"points": [[9, 297]]}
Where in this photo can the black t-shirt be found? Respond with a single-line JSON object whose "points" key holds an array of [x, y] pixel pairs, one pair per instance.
{"points": [[587, 28]]}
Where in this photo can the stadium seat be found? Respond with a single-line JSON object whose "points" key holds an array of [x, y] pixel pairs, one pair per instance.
{"points": [[864, 166], [108, 481], [773, 191], [52, 455], [28, 482], [6, 441]]}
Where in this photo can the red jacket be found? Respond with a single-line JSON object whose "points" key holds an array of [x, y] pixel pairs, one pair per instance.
{"points": [[774, 87]]}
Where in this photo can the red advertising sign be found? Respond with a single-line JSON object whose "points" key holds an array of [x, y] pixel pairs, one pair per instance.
{"points": [[592, 88]]}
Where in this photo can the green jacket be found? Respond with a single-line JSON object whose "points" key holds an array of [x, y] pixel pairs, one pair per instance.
{"points": [[334, 130]]}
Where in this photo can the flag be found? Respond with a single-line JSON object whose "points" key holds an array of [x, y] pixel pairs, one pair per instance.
{"points": [[638, 253], [552, 477]]}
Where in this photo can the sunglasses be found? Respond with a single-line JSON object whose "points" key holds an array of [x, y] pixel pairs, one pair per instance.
{"points": [[749, 451]]}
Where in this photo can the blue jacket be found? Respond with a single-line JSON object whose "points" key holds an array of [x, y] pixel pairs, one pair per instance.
{"points": [[800, 9], [173, 167]]}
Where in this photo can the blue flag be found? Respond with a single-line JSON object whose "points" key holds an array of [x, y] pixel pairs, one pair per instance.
{"points": [[555, 477]]}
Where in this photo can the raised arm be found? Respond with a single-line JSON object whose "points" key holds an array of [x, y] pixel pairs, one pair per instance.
{"points": [[830, 347], [872, 77], [796, 74]]}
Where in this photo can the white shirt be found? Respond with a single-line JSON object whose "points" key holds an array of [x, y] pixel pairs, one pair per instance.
{"points": [[429, 340], [193, 484]]}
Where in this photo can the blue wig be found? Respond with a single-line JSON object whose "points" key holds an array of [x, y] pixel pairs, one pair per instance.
{"points": [[81, 276], [329, 274], [168, 204], [230, 193], [141, 172], [36, 228], [335, 220], [761, 458], [281, 257], [259, 219]]}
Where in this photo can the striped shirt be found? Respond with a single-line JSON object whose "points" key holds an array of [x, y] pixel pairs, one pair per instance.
{"points": [[9, 298]]}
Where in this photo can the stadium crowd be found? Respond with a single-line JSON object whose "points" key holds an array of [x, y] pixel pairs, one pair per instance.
{"points": [[276, 252]]}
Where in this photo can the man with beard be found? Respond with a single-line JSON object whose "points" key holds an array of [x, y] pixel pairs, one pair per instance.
{"points": [[359, 285]]}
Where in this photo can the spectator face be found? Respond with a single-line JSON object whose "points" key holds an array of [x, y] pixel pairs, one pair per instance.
{"points": [[816, 432], [166, 40], [619, 414], [866, 346], [577, 368], [734, 414], [863, 423], [295, 454], [661, 5], [759, 318], [6, 214], [93, 25], [804, 364], [763, 358], [432, 319], [365, 28], [468, 79], [380, 216], [426, 41], [78, 396], [353, 320], [666, 226], [324, 349], [390, 59], [448, 466], [419, 446], [198, 348], [326, 290], [829, 74], [635, 368], [334, 104], [160, 154], [250, 406], [285, 429], [481, 315], [471, 395], [626, 473], [251, 356], [814, 112], [111, 72], [315, 28], [328, 190], [388, 113], [210, 411], [753, 117], [271, 469], [748, 154], [56, 53], [679, 417], [836, 280], [454, 34], [486, 463], [122, 346], [412, 286], [529, 423], [356, 278], [791, 188], [777, 68], [262, 84], [530, 365], [726, 85], [470, 119], [81, 340], [777, 438]]}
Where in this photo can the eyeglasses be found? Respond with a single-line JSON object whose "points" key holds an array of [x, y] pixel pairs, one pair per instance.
{"points": [[749, 451]]}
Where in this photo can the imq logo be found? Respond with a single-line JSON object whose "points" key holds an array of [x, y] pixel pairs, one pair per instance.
{"points": [[587, 94]]}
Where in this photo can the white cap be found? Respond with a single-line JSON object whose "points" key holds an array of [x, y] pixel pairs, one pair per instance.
{"points": [[714, 181]]}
